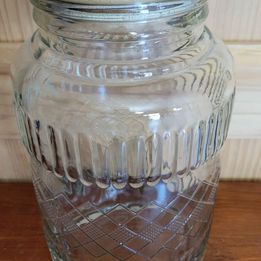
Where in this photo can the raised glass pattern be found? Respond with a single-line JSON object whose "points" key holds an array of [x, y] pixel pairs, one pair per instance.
{"points": [[123, 110]]}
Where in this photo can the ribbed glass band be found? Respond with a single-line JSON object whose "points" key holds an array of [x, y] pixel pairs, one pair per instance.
{"points": [[138, 161], [122, 10]]}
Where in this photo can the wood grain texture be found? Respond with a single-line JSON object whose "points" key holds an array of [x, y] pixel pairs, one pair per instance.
{"points": [[7, 55], [8, 127], [232, 20], [236, 230], [240, 159], [235, 20], [16, 23], [235, 234], [13, 161], [246, 120], [21, 236]]}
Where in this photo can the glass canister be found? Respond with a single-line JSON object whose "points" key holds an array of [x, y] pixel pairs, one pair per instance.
{"points": [[123, 107]]}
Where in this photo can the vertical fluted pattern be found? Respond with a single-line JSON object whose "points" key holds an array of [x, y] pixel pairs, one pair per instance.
{"points": [[140, 160]]}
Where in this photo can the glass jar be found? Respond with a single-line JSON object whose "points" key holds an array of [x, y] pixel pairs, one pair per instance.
{"points": [[123, 107]]}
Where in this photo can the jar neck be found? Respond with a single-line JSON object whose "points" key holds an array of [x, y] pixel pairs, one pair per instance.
{"points": [[120, 32]]}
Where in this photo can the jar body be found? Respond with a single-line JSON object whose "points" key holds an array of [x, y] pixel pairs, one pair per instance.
{"points": [[124, 152], [166, 221]]}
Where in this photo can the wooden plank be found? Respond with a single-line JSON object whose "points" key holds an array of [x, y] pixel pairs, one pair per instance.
{"points": [[233, 20], [7, 56], [8, 128], [246, 120], [235, 233], [240, 159], [236, 228], [13, 161], [21, 230], [16, 23]]}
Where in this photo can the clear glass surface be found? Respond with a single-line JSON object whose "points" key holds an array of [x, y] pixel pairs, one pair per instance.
{"points": [[123, 110]]}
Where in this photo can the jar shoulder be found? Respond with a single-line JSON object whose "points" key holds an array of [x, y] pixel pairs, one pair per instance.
{"points": [[96, 64], [203, 69], [125, 114]]}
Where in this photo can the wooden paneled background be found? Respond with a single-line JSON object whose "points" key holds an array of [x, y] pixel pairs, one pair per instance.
{"points": [[238, 22]]}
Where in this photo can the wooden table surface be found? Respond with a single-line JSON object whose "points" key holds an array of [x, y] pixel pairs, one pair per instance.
{"points": [[235, 235]]}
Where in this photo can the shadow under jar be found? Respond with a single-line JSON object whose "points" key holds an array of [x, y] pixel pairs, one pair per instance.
{"points": [[123, 107]]}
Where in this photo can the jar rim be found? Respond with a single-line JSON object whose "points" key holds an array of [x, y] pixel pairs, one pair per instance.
{"points": [[119, 10]]}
